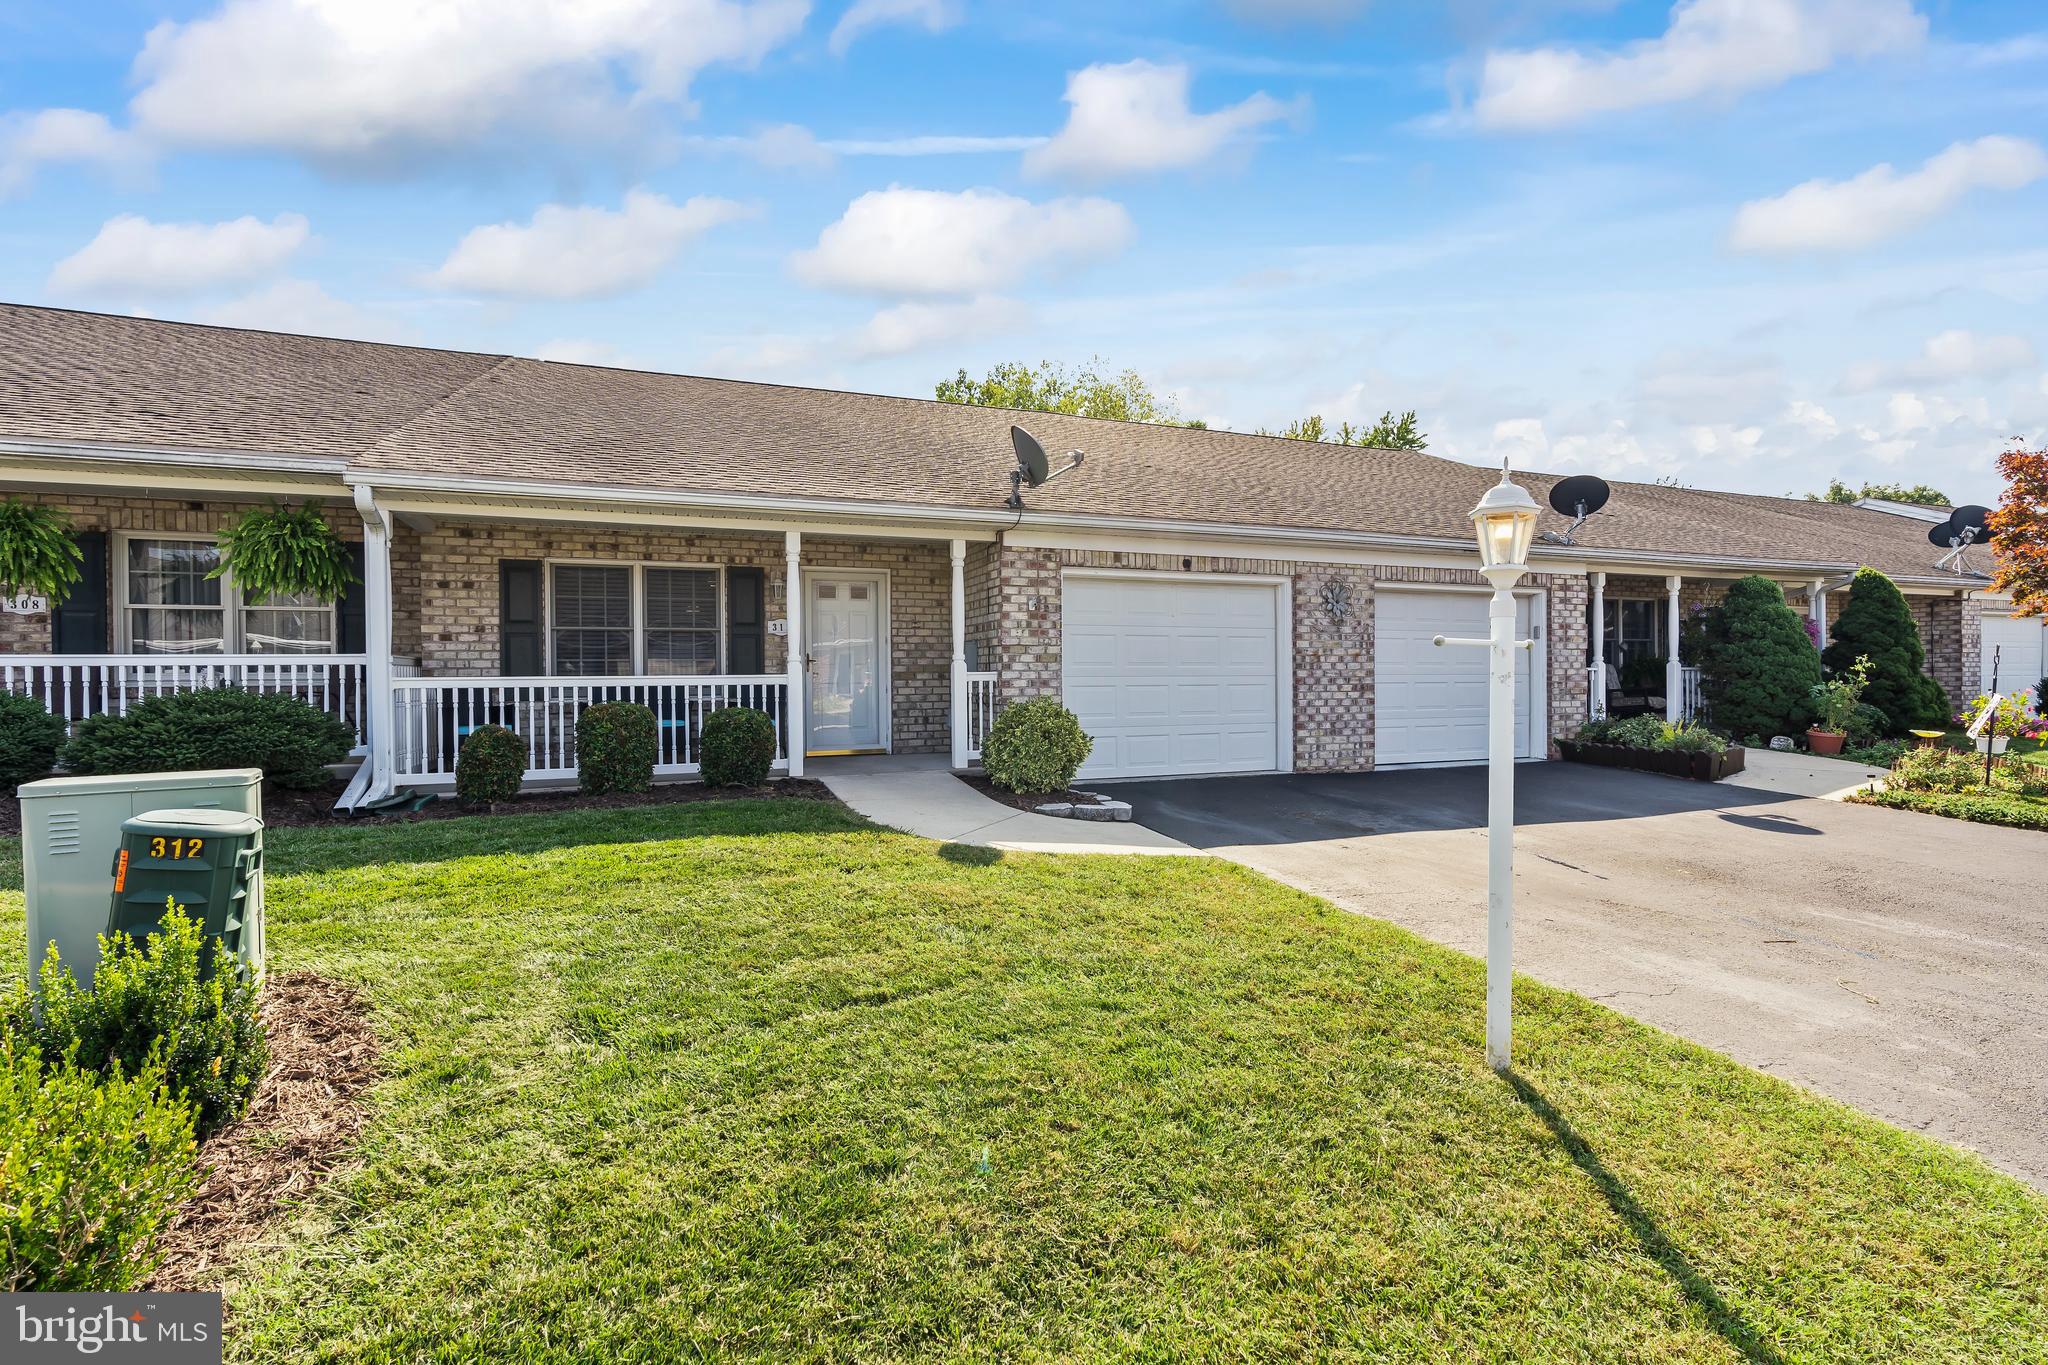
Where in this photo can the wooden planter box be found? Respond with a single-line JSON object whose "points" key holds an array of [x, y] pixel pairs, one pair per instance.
{"points": [[1696, 767]]}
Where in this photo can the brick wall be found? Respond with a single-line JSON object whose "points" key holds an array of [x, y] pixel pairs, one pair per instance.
{"points": [[1333, 656], [142, 516], [456, 567]]}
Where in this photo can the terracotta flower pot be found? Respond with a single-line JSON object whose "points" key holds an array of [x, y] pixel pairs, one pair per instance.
{"points": [[1825, 741]]}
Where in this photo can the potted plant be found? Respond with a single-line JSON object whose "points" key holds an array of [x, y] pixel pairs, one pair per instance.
{"points": [[285, 552], [38, 557], [1834, 704], [2015, 720]]}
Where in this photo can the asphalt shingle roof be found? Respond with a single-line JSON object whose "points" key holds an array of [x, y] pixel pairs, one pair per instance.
{"points": [[84, 377]]}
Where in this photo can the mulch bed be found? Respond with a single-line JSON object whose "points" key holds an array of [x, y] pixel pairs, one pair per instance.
{"points": [[1019, 800], [300, 1127], [282, 808]]}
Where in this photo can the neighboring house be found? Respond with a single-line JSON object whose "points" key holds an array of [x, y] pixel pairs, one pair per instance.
{"points": [[535, 536]]}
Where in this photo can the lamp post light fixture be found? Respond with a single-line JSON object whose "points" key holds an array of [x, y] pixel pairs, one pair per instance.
{"points": [[1505, 522]]}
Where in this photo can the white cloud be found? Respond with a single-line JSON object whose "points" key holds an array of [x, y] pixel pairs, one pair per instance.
{"points": [[928, 242], [918, 326], [573, 253], [1712, 48], [932, 144], [1842, 215], [303, 307], [1813, 419], [788, 147], [53, 136], [935, 15], [132, 254], [1521, 441], [372, 81], [1135, 117], [1951, 355]]}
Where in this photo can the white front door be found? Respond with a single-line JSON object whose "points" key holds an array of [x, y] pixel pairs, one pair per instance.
{"points": [[1429, 700], [848, 675]]}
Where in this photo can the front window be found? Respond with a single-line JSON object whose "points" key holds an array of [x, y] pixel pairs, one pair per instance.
{"points": [[1635, 630], [593, 620], [609, 620], [682, 621], [173, 607]]}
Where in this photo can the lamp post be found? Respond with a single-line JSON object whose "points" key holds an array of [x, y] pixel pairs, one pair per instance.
{"points": [[1505, 522]]}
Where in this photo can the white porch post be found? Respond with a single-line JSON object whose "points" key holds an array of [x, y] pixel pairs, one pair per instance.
{"points": [[959, 556], [1597, 700], [1817, 608], [1674, 672], [381, 719], [793, 710]]}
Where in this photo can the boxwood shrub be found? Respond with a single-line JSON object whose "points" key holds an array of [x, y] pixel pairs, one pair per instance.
{"points": [[491, 765], [1035, 746], [154, 1004], [95, 1166], [215, 727], [29, 739], [737, 747], [615, 743]]}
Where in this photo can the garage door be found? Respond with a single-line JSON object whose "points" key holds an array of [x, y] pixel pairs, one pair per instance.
{"points": [[1173, 676], [1430, 702], [2018, 642]]}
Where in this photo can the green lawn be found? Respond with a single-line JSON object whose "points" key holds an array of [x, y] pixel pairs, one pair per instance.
{"points": [[755, 1080]]}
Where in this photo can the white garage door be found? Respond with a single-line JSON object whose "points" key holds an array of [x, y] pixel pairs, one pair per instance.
{"points": [[1430, 702], [1173, 676], [2018, 642]]}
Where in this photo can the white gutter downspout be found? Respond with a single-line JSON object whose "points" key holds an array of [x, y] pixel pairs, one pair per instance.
{"points": [[377, 615]]}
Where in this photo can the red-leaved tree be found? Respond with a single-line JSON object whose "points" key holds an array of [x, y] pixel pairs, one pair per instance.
{"points": [[2020, 529]]}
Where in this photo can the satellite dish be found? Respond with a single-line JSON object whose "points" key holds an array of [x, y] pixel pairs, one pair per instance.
{"points": [[1972, 522], [1580, 496], [1942, 536], [1031, 460], [1577, 497], [1033, 468]]}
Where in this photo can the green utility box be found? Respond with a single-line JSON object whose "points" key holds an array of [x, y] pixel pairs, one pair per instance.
{"points": [[209, 861], [71, 828]]}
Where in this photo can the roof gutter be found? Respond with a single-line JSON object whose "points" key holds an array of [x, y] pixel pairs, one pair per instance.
{"points": [[259, 462]]}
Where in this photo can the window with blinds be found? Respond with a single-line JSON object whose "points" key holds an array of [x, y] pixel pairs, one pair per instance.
{"points": [[681, 620], [592, 620], [609, 620]]}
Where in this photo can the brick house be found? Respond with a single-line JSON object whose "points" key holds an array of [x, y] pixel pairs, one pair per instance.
{"points": [[534, 536]]}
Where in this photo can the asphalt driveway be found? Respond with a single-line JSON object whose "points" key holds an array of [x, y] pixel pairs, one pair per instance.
{"points": [[1895, 961]]}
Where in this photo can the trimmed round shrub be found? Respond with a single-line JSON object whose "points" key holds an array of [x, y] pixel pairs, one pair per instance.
{"points": [[491, 765], [156, 1004], [1876, 622], [1035, 746], [737, 747], [215, 727], [29, 739], [1757, 666], [95, 1165], [615, 743]]}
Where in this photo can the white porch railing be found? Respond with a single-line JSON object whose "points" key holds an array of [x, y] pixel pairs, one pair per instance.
{"points": [[75, 686], [981, 710], [434, 715], [1690, 701]]}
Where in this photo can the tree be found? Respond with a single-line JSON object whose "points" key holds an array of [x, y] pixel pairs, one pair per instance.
{"points": [[1088, 391], [1389, 433], [2020, 528], [1876, 622], [1757, 666], [1919, 494]]}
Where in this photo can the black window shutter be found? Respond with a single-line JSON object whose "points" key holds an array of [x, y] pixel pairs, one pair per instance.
{"points": [[78, 624], [519, 618], [352, 635], [746, 625]]}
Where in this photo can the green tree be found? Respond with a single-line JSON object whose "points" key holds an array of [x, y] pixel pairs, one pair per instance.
{"points": [[1091, 390], [1877, 622], [1919, 494], [1757, 666], [1389, 433]]}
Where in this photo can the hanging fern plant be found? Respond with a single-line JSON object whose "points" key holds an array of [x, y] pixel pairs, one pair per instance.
{"points": [[281, 551], [38, 557]]}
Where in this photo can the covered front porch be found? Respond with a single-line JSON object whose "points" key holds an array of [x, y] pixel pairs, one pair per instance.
{"points": [[852, 637]]}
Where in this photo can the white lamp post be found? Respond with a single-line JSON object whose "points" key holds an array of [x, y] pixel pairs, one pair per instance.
{"points": [[1505, 521]]}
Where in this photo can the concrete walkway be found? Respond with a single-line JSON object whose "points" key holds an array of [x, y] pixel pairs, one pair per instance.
{"points": [[919, 795], [1795, 774]]}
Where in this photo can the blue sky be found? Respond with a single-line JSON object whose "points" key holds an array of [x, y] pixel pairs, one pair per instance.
{"points": [[1747, 244]]}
